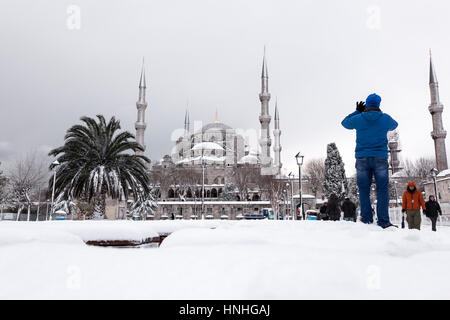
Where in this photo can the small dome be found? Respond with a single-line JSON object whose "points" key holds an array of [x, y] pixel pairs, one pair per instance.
{"points": [[253, 159]]}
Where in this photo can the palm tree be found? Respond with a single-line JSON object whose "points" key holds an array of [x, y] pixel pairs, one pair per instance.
{"points": [[98, 161]]}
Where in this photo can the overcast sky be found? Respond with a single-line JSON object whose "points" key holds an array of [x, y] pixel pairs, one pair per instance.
{"points": [[322, 57]]}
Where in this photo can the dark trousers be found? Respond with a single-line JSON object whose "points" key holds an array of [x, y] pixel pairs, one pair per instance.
{"points": [[433, 223]]}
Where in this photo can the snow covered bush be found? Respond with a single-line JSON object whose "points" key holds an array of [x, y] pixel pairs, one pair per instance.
{"points": [[143, 206]]}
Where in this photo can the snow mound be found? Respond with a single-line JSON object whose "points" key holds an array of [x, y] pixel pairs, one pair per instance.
{"points": [[63, 231], [13, 233]]}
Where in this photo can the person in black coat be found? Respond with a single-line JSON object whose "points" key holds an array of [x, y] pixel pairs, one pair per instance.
{"points": [[333, 208], [433, 209], [323, 211], [349, 209]]}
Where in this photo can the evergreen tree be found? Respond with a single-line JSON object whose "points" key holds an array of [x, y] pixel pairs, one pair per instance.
{"points": [[335, 179], [353, 190]]}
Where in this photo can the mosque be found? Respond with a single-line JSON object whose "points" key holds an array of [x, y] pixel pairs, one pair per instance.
{"points": [[208, 169]]}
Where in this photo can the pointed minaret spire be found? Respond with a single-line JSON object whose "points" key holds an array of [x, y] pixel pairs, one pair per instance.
{"points": [[186, 121], [264, 74], [141, 105], [276, 117], [142, 83], [277, 142], [438, 134], [433, 78], [265, 142]]}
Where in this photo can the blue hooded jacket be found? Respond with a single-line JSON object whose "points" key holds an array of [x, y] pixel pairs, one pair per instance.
{"points": [[371, 132]]}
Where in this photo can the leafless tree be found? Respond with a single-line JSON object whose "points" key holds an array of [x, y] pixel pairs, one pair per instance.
{"points": [[315, 173], [420, 168], [26, 177], [186, 178], [5, 194], [273, 188], [163, 179], [244, 176]]}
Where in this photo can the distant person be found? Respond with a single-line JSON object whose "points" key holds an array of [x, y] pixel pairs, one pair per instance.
{"points": [[333, 208], [433, 210], [411, 204], [323, 211], [349, 209], [372, 126]]}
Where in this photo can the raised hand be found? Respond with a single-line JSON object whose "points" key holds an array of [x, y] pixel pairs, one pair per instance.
{"points": [[360, 106]]}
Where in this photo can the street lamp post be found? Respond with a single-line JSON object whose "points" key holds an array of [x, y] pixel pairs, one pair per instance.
{"points": [[396, 194], [292, 194], [288, 208], [203, 188], [299, 158], [55, 164], [434, 173]]}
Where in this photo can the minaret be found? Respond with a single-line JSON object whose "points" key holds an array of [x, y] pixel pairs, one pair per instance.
{"points": [[141, 105], [186, 122], [186, 144], [438, 134], [277, 144], [264, 118], [394, 151]]}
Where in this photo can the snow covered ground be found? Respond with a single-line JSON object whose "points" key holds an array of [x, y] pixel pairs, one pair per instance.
{"points": [[224, 260]]}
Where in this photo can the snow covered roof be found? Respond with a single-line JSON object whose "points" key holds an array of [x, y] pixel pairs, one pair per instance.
{"points": [[400, 174], [190, 203], [304, 196], [199, 158], [444, 173], [207, 146]]}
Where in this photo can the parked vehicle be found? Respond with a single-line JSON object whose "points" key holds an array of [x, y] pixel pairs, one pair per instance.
{"points": [[60, 215], [312, 215], [268, 213]]}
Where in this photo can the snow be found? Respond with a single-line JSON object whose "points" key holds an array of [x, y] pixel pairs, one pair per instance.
{"points": [[400, 174], [217, 259], [83, 230], [207, 146], [444, 173]]}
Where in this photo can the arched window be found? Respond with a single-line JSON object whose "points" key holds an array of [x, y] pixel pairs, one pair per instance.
{"points": [[214, 193], [170, 194], [255, 197], [197, 193], [208, 194], [189, 193]]}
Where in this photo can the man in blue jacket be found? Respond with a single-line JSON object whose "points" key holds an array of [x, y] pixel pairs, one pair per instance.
{"points": [[372, 126]]}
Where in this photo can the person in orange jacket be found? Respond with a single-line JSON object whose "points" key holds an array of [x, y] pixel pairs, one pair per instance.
{"points": [[411, 204]]}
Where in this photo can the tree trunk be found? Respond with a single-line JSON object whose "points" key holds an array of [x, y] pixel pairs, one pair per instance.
{"points": [[99, 206], [28, 212], [18, 212]]}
